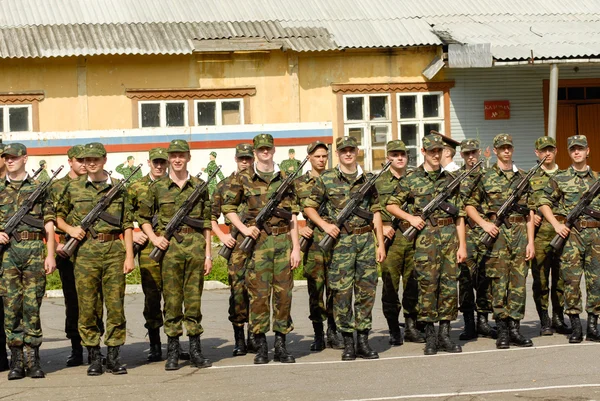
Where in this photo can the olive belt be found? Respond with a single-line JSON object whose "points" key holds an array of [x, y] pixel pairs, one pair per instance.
{"points": [[404, 225], [279, 230], [510, 219], [103, 237], [589, 223], [30, 236], [443, 221], [359, 230]]}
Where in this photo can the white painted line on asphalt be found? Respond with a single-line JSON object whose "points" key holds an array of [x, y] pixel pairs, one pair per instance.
{"points": [[465, 393], [392, 358]]}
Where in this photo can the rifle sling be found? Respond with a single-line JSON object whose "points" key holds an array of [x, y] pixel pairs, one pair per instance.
{"points": [[363, 214], [110, 219]]}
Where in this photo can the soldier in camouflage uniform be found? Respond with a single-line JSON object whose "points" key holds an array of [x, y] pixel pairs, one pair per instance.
{"points": [[211, 167], [579, 255], [399, 262], [545, 263], [24, 267], [473, 286], [353, 268], [315, 260], [3, 354], [127, 168], [506, 262], [149, 269], [290, 165], [437, 248], [239, 301], [101, 262], [276, 254], [188, 255], [43, 176]]}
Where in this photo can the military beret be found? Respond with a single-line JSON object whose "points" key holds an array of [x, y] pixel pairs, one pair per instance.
{"points": [[263, 141], [469, 144], [94, 149], [75, 152], [502, 139], [14, 149], [432, 141], [345, 142], [178, 145], [545, 141], [244, 150], [314, 145], [395, 146], [158, 153]]}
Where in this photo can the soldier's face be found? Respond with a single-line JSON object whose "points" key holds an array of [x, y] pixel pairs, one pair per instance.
{"points": [[549, 151], [130, 162], [178, 160], [347, 156], [264, 154], [244, 162], [432, 157], [504, 153], [471, 157], [158, 167], [94, 164], [77, 165], [318, 159], [15, 164], [579, 153], [398, 159]]}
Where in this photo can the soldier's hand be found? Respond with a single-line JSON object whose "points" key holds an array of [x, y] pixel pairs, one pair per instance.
{"points": [[530, 251], [161, 243], [388, 232], [49, 265], [491, 229], [381, 254], [139, 237], [461, 254], [537, 220], [129, 265], [562, 230], [417, 222], [4, 239], [306, 232], [76, 232], [332, 230], [228, 241], [207, 266], [252, 231], [295, 258]]}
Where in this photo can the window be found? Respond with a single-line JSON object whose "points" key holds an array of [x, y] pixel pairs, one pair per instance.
{"points": [[218, 112], [16, 118], [168, 113], [418, 114]]}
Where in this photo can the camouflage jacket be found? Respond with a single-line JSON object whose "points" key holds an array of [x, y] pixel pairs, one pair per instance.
{"points": [[387, 185], [470, 184], [250, 189], [222, 191], [334, 188], [126, 171], [419, 188], [538, 183], [565, 188], [12, 196], [57, 190], [290, 165], [80, 197], [304, 185], [138, 191], [494, 188], [211, 167], [44, 176]]}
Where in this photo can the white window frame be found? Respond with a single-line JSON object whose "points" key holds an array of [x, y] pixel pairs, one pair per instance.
{"points": [[4, 108], [419, 120], [163, 112], [218, 110]]}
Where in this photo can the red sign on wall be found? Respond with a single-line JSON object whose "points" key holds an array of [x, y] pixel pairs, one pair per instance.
{"points": [[496, 109]]}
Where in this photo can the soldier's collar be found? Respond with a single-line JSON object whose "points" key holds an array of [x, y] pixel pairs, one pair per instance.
{"points": [[27, 178], [108, 181], [275, 168], [359, 170]]}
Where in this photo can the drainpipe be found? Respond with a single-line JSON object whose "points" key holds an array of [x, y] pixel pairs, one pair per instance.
{"points": [[553, 100]]}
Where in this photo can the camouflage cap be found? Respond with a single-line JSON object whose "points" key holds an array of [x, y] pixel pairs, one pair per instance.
{"points": [[213, 154], [314, 145], [395, 146], [452, 143], [42, 162], [94, 149], [544, 142], [244, 150], [469, 144], [291, 151], [263, 141], [178, 145], [75, 152], [502, 139], [158, 153], [574, 140], [432, 141], [130, 158], [14, 149], [345, 142]]}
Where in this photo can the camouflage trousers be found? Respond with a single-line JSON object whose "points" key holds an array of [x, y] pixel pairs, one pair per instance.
{"points": [[239, 301], [100, 280], [506, 267], [437, 273], [399, 264], [268, 272], [151, 276], [581, 256], [353, 271], [315, 262], [22, 287], [474, 291], [183, 282], [544, 266], [66, 272]]}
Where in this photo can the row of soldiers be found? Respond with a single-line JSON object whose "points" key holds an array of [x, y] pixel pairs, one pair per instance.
{"points": [[341, 282]]}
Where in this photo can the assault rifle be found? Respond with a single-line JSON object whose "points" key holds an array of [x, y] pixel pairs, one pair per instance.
{"points": [[181, 216], [271, 208], [22, 215], [439, 202], [395, 226], [581, 208], [99, 212], [352, 207], [36, 172], [305, 243], [225, 251], [510, 204]]}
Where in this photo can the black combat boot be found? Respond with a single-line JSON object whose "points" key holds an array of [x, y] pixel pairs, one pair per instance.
{"points": [[196, 358], [183, 354], [319, 343], [445, 343], [250, 344], [592, 328], [411, 334], [431, 345], [3, 356], [335, 338], [545, 323], [76, 357], [155, 353], [503, 341], [239, 348], [577, 334], [558, 322], [262, 350], [349, 353], [281, 353], [95, 358], [113, 363], [172, 354], [363, 349], [515, 336], [33, 369], [17, 363], [469, 332], [483, 327], [396, 338]]}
